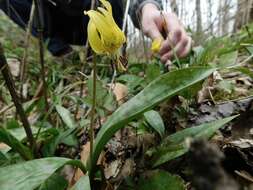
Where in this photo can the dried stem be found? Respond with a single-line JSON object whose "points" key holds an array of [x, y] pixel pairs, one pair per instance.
{"points": [[27, 41], [40, 29], [11, 87]]}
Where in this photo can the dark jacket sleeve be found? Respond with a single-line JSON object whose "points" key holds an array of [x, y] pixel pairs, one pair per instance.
{"points": [[136, 6]]}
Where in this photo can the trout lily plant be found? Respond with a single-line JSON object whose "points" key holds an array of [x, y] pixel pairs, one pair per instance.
{"points": [[104, 35]]}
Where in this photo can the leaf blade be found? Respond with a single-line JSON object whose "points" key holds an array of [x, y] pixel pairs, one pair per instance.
{"points": [[29, 175], [7, 138], [155, 121], [174, 146], [65, 116], [157, 91]]}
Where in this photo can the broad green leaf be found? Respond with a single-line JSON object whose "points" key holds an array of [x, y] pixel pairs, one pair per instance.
{"points": [[228, 59], [162, 88], [15, 144], [82, 184], [250, 49], [152, 72], [29, 175], [155, 121], [160, 180], [205, 130], [174, 145], [65, 116], [54, 182]]}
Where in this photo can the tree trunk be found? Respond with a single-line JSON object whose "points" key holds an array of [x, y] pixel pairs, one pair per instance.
{"points": [[244, 13], [210, 16], [225, 17], [199, 17], [174, 6]]}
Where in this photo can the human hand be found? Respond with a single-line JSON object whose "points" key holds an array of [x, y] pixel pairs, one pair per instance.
{"points": [[154, 23]]}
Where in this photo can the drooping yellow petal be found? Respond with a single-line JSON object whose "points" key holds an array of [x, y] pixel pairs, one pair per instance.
{"points": [[101, 23], [107, 5], [107, 31], [156, 45], [94, 39]]}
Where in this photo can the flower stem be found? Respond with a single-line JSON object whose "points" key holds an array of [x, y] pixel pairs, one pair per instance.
{"points": [[93, 108]]}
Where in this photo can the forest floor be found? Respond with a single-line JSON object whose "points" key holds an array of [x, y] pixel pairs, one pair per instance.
{"points": [[223, 162]]}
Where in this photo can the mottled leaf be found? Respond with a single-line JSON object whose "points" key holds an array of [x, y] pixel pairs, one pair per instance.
{"points": [[157, 91], [155, 121]]}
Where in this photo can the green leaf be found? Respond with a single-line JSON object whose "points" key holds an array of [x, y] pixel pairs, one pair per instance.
{"points": [[174, 146], [55, 182], [228, 59], [250, 49], [162, 88], [15, 144], [160, 180], [155, 121], [152, 72], [29, 175], [65, 116], [82, 184]]}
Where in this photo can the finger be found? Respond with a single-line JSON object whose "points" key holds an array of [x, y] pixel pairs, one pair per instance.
{"points": [[166, 47], [164, 58], [181, 46], [180, 49], [171, 41], [175, 36], [153, 32], [187, 49]]}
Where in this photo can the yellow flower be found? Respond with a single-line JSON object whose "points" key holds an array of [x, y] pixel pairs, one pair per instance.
{"points": [[104, 35], [156, 45]]}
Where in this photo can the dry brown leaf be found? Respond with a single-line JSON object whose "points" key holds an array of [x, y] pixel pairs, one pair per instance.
{"points": [[242, 143], [120, 91], [84, 157], [14, 66], [113, 169], [127, 170], [85, 153], [241, 91]]}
